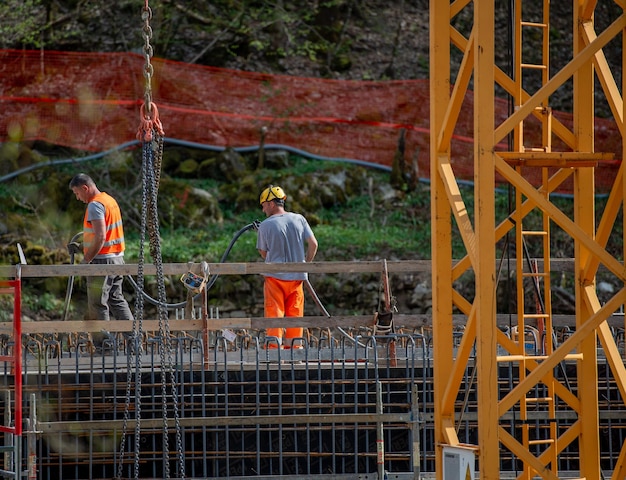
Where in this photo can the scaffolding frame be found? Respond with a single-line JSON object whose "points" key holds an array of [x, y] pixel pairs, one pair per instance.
{"points": [[12, 427], [576, 163]]}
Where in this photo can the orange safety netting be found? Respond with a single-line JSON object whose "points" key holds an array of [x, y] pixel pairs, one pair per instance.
{"points": [[91, 101]]}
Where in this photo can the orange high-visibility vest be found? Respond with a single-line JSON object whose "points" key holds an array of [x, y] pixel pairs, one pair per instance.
{"points": [[114, 238]]}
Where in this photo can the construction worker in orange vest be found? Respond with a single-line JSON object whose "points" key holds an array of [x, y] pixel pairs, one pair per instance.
{"points": [[103, 243]]}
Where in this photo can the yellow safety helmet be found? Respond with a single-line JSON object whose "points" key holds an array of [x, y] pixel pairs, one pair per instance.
{"points": [[272, 193]]}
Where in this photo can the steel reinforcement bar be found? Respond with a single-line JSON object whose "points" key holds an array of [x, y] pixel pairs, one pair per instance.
{"points": [[254, 412]]}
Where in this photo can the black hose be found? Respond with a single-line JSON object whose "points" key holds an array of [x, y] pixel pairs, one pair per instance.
{"points": [[251, 226]]}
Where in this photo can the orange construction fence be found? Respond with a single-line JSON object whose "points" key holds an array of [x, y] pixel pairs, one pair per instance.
{"points": [[90, 101]]}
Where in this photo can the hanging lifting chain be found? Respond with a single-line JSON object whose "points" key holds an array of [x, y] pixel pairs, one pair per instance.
{"points": [[151, 135], [149, 112], [148, 71]]}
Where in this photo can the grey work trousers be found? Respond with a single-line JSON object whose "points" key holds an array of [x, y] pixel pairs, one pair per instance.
{"points": [[105, 296]]}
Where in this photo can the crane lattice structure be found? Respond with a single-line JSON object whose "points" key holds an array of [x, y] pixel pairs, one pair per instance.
{"points": [[504, 150]]}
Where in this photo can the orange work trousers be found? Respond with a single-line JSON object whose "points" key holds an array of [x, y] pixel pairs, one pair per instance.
{"points": [[283, 298]]}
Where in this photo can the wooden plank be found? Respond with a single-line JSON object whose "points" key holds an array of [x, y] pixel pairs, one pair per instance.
{"points": [[260, 323], [581, 156], [398, 266], [157, 423], [556, 159], [548, 163], [35, 271], [255, 323], [59, 326]]}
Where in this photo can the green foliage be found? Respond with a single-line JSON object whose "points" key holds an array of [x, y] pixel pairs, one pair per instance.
{"points": [[6, 308], [354, 212], [210, 244], [46, 302], [22, 23], [275, 31]]}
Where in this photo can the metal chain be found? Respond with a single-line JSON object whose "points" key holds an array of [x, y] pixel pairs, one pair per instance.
{"points": [[135, 344], [148, 52], [155, 252], [165, 345], [151, 134]]}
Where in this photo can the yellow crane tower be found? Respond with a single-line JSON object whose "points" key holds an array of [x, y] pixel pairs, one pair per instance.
{"points": [[464, 46]]}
